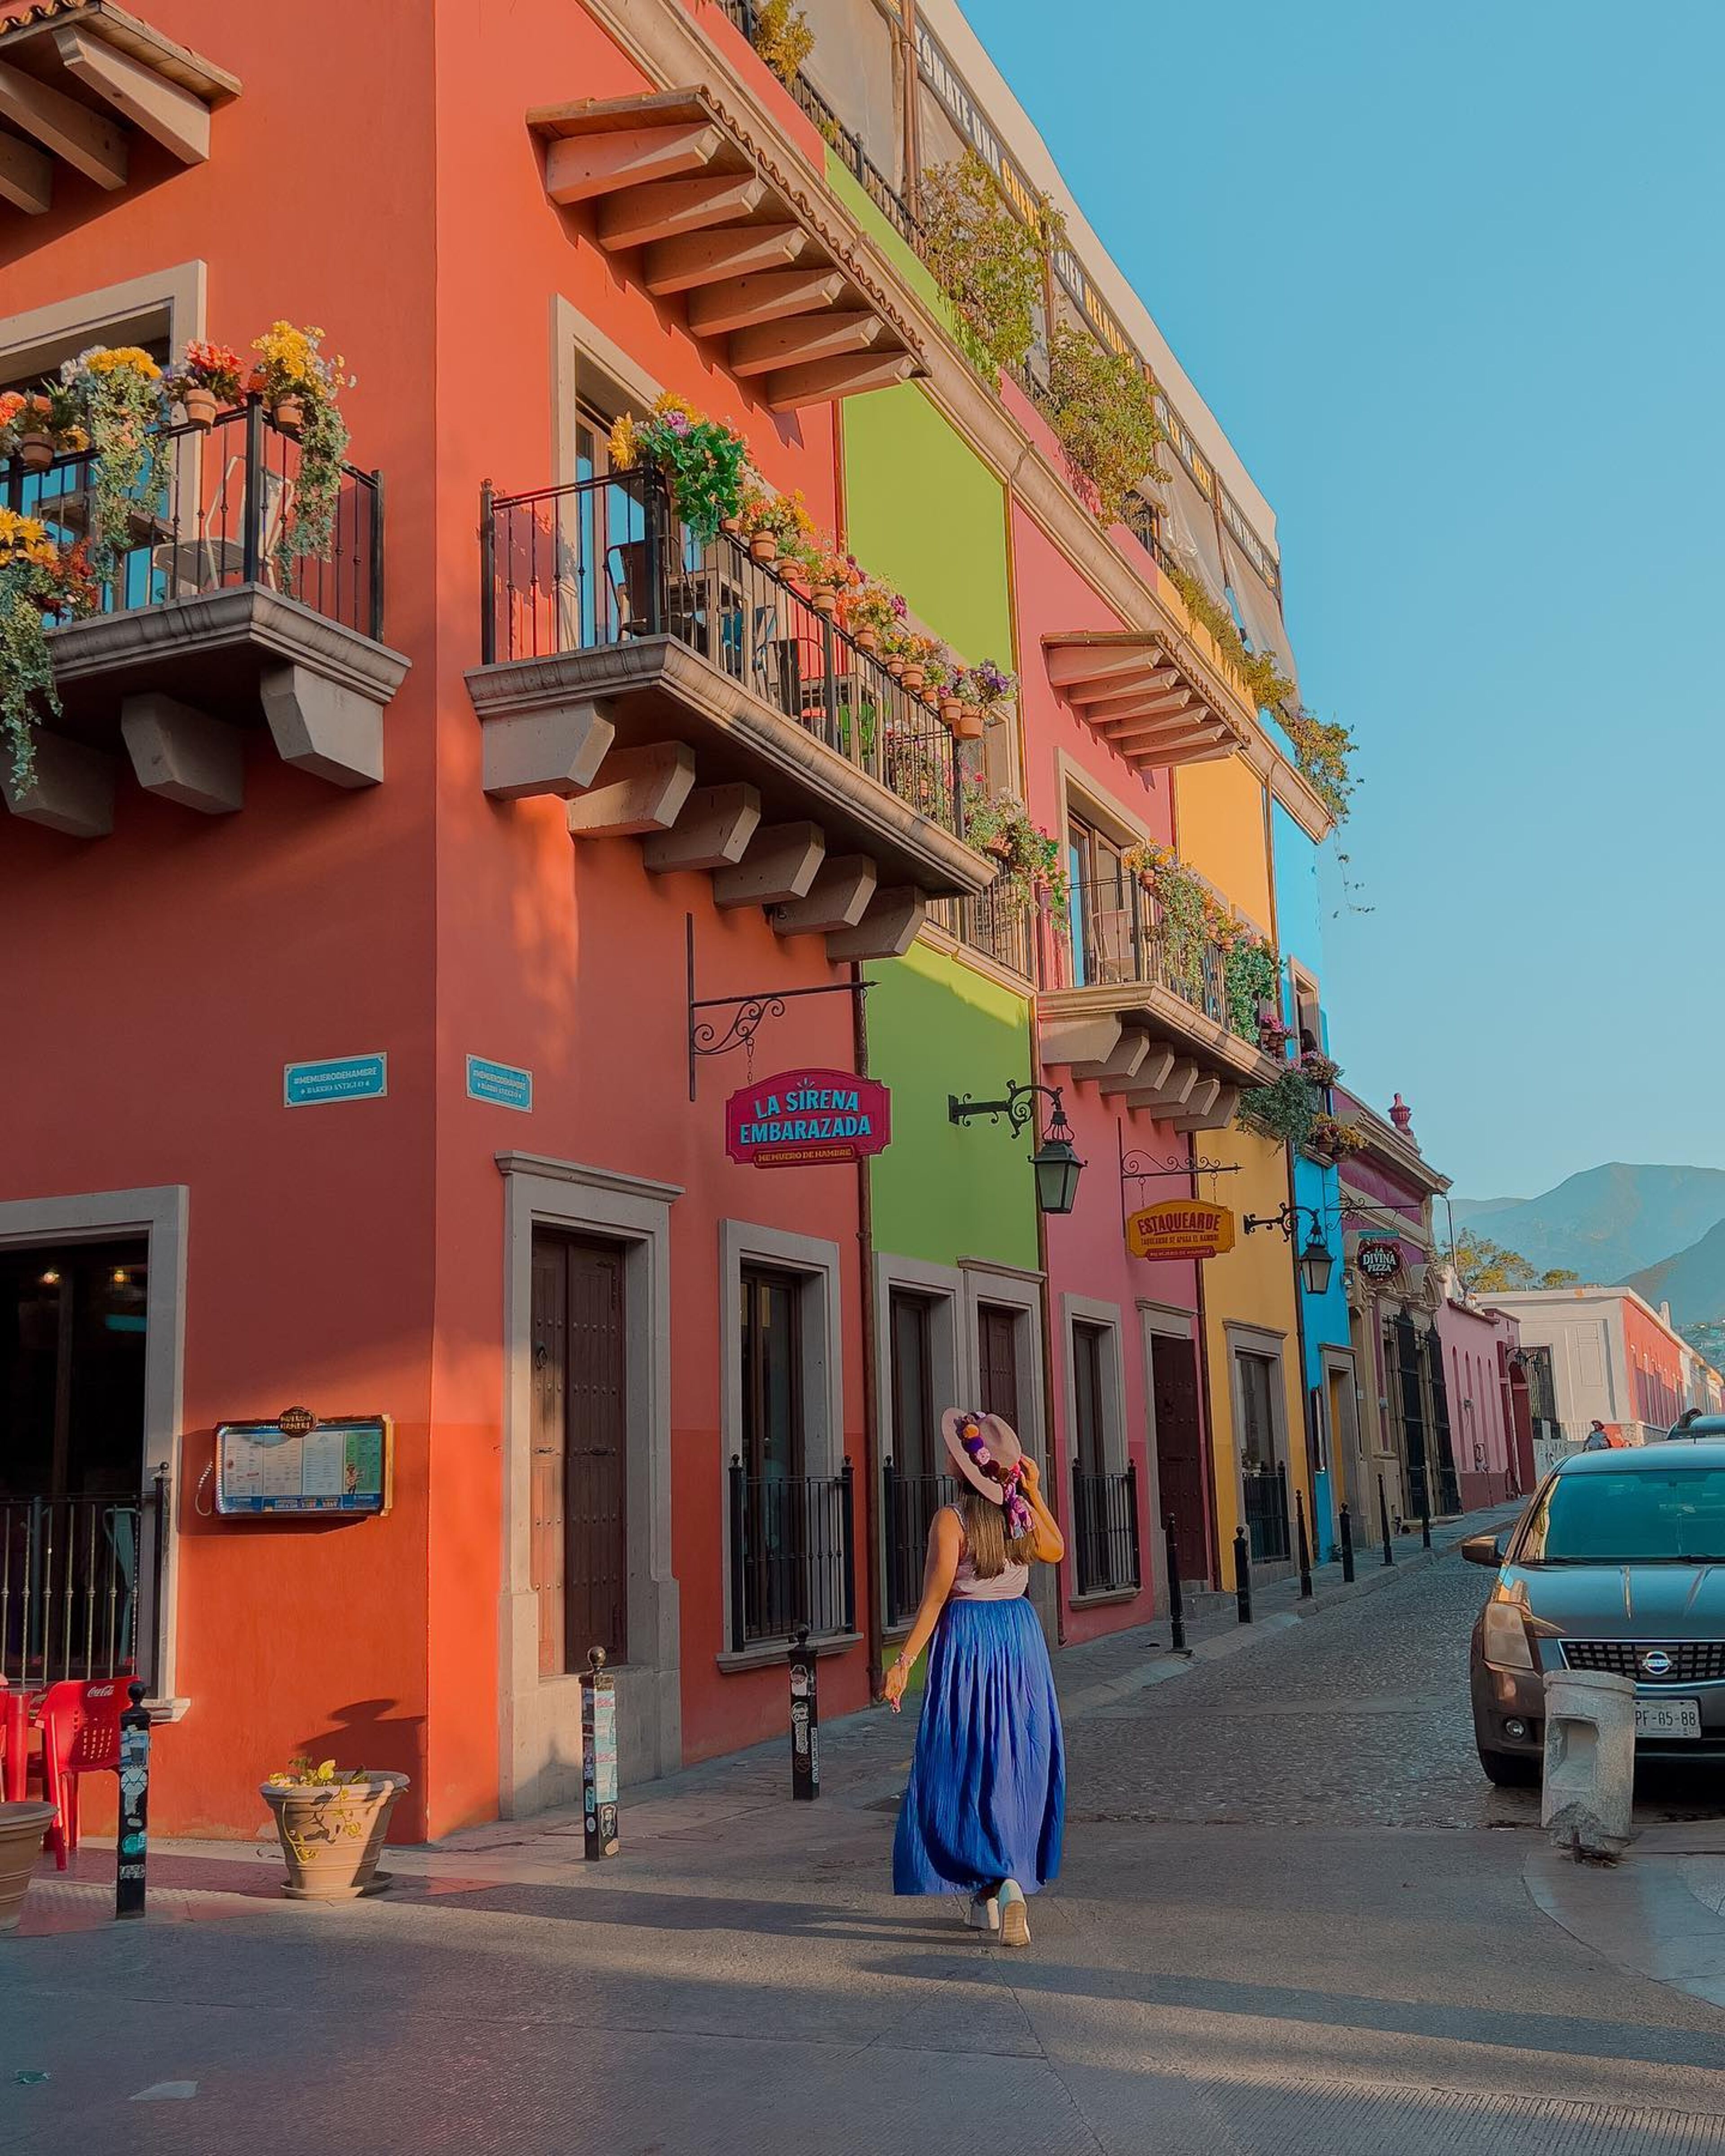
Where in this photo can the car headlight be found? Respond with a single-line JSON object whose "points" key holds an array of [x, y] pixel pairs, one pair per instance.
{"points": [[1504, 1637]]}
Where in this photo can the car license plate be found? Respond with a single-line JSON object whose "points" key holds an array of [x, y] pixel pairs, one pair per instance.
{"points": [[1668, 1717]]}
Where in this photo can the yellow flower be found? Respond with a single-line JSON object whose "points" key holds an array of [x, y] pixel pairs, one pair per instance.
{"points": [[117, 357], [625, 444]]}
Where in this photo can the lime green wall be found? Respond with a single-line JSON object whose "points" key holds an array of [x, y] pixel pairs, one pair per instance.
{"points": [[908, 265], [925, 514], [942, 1191]]}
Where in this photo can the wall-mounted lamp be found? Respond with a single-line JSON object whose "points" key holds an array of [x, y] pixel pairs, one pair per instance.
{"points": [[1056, 1164], [1316, 1264]]}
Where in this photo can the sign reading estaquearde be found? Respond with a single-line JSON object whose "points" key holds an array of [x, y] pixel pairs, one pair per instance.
{"points": [[1378, 1260], [1180, 1227], [806, 1118]]}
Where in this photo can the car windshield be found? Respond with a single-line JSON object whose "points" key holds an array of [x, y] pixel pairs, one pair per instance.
{"points": [[1662, 1515]]}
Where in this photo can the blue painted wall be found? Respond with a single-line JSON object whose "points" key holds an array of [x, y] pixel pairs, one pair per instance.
{"points": [[1299, 921]]}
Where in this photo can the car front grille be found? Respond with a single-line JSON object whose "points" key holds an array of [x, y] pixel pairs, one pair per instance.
{"points": [[1692, 1662]]}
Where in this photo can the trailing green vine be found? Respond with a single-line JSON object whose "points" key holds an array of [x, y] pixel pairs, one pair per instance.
{"points": [[1102, 406], [119, 391], [1264, 680], [1285, 1110], [39, 579], [1252, 973], [1324, 749], [986, 260]]}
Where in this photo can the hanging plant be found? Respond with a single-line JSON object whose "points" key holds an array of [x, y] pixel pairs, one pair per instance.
{"points": [[1332, 1139], [990, 688], [117, 392], [301, 387], [1324, 749], [40, 580], [1285, 1110], [1265, 685], [1102, 406], [773, 524], [1323, 1070], [781, 37], [986, 260], [208, 376], [1031, 867], [702, 460], [1252, 976]]}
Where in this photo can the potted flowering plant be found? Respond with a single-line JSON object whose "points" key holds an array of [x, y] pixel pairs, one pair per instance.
{"points": [[208, 376], [1031, 867], [301, 387], [1327, 1139], [922, 663], [829, 576], [870, 612], [331, 1824], [39, 579], [1321, 1070], [701, 459], [116, 394], [1274, 1034], [983, 690], [36, 425], [773, 523]]}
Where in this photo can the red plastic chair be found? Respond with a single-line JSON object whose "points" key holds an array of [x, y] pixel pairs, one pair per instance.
{"points": [[80, 1735], [14, 1742]]}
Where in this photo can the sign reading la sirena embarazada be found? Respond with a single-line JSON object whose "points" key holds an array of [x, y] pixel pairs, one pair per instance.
{"points": [[807, 1119]]}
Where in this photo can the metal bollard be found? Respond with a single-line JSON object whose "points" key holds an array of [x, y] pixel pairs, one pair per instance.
{"points": [[1383, 1518], [1305, 1547], [1347, 1523], [1176, 1592], [599, 1759], [1243, 1575], [805, 1718], [132, 1846]]}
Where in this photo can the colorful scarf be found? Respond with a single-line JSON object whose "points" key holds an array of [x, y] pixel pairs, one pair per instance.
{"points": [[1019, 1519]]}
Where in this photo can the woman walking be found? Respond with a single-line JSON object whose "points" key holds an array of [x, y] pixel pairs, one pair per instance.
{"points": [[983, 1810]]}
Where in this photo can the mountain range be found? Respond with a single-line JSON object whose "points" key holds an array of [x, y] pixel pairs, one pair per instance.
{"points": [[1618, 1225]]}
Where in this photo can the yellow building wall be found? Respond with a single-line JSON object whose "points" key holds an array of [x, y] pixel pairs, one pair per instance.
{"points": [[1221, 829]]}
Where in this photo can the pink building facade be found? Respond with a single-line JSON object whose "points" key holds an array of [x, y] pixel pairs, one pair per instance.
{"points": [[1477, 1344]]}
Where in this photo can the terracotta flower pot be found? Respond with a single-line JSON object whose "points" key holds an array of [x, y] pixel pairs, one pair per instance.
{"points": [[967, 722], [731, 524], [824, 600], [999, 848], [200, 408], [35, 450], [763, 547], [332, 1834], [22, 1827], [912, 677], [866, 638], [290, 413], [895, 667]]}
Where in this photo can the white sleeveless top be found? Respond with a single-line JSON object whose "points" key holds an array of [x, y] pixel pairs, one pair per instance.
{"points": [[1007, 1585]]}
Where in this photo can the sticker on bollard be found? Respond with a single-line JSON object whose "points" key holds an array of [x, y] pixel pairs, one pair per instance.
{"points": [[599, 1759], [805, 1718], [134, 1806]]}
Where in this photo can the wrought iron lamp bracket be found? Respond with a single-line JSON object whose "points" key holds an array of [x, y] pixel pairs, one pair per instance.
{"points": [[748, 1014], [1018, 1107], [1195, 1163]]}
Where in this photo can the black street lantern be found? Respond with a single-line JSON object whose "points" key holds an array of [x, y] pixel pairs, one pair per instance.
{"points": [[1055, 1164], [1317, 1263]]}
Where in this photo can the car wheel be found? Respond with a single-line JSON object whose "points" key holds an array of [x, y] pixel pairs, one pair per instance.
{"points": [[1510, 1770]]}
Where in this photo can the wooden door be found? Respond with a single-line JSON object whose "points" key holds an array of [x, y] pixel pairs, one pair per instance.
{"points": [[580, 1534], [998, 1353], [1179, 1451]]}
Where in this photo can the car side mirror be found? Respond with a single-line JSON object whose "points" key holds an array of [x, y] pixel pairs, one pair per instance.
{"points": [[1483, 1549]]}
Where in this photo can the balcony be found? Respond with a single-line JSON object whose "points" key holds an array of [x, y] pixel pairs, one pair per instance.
{"points": [[1142, 1009], [999, 924], [673, 689], [673, 184], [210, 625]]}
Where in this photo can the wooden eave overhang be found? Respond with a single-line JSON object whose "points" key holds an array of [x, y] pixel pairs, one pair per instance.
{"points": [[1150, 1050], [675, 178], [1144, 693], [79, 80]]}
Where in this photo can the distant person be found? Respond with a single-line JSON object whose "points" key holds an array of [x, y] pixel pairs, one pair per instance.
{"points": [[1682, 1424], [1597, 1438], [984, 1809]]}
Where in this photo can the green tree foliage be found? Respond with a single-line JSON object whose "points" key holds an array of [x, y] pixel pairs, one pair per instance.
{"points": [[985, 258], [1488, 1269]]}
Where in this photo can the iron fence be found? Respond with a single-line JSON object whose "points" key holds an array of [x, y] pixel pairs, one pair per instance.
{"points": [[908, 1505], [225, 513], [793, 1555], [1119, 933], [1266, 1494], [1105, 1531], [70, 1571], [1000, 922], [604, 562]]}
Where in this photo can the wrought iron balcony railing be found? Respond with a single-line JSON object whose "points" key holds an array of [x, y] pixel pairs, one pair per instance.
{"points": [[908, 1505], [603, 562], [793, 1558], [224, 517], [1104, 1531], [1118, 934], [72, 1574], [1001, 923]]}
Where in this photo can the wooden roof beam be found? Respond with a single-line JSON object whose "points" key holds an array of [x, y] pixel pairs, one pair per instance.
{"points": [[169, 114], [579, 166], [720, 254], [740, 303], [1069, 664], [638, 216], [824, 379], [26, 175], [89, 143], [803, 339]]}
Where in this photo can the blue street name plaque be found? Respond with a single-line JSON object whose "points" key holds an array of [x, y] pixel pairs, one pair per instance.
{"points": [[337, 1078], [501, 1083]]}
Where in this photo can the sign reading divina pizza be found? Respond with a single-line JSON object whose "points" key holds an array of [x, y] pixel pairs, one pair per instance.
{"points": [[808, 1119], [1378, 1260], [1180, 1227]]}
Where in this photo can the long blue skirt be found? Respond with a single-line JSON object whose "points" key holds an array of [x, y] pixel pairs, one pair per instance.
{"points": [[986, 1796]]}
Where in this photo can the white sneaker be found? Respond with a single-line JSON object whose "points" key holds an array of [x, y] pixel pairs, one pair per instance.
{"points": [[1014, 1915], [983, 1914]]}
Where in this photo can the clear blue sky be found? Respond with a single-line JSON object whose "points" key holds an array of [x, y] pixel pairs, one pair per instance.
{"points": [[1450, 279]]}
